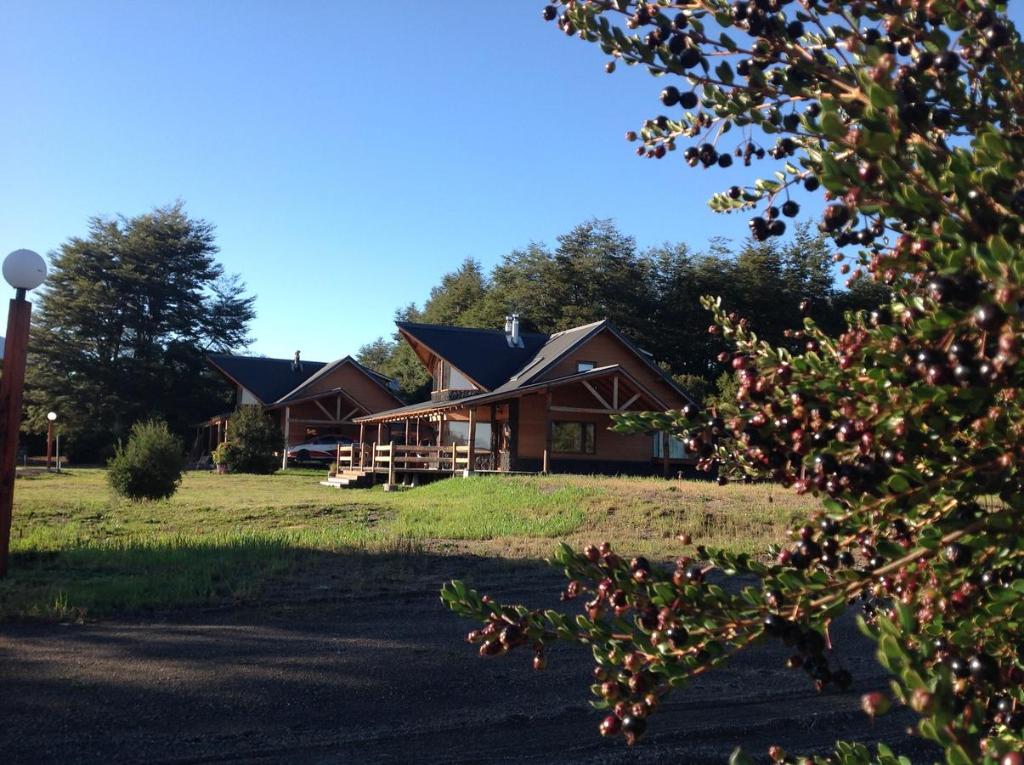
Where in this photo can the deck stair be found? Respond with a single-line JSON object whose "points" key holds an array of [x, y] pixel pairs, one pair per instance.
{"points": [[348, 477]]}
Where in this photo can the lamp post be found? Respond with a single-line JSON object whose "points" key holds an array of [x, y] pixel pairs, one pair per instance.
{"points": [[24, 270], [51, 418]]}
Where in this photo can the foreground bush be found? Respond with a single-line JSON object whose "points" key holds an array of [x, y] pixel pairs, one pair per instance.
{"points": [[253, 439], [906, 116], [150, 465]]}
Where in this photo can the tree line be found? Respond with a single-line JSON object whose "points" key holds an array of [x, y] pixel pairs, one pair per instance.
{"points": [[122, 328], [595, 271]]}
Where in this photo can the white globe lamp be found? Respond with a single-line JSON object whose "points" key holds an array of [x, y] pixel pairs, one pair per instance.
{"points": [[24, 269]]}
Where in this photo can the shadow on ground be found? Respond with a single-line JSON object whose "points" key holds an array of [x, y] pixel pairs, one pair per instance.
{"points": [[322, 672]]}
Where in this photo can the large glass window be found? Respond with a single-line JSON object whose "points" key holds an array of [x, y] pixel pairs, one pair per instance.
{"points": [[453, 379], [457, 432], [573, 437], [676, 447]]}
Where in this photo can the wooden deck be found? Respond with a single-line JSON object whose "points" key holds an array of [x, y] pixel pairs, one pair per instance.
{"points": [[360, 464]]}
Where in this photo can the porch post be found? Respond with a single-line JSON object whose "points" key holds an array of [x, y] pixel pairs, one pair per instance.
{"points": [[362, 446], [664, 454], [380, 432], [547, 433], [406, 431], [418, 420], [287, 428], [471, 455]]}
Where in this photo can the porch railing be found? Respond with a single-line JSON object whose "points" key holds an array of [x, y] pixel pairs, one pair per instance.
{"points": [[391, 458]]}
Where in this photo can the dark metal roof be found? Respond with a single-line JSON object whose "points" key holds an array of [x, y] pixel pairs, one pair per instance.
{"points": [[554, 349], [267, 379], [483, 355]]}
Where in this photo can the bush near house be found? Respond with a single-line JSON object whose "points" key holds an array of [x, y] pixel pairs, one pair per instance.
{"points": [[253, 442], [150, 465]]}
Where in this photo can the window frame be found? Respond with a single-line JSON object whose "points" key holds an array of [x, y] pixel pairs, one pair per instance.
{"points": [[583, 425], [589, 364]]}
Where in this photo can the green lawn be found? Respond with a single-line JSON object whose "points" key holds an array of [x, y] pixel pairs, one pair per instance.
{"points": [[77, 549]]}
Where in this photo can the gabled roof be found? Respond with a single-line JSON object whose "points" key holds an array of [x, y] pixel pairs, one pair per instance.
{"points": [[483, 355], [553, 350], [267, 379], [299, 393], [279, 381]]}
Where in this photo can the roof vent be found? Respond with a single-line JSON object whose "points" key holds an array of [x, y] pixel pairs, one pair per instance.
{"points": [[515, 340], [296, 363]]}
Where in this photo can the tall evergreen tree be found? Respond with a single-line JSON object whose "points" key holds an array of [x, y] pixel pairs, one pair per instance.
{"points": [[123, 325]]}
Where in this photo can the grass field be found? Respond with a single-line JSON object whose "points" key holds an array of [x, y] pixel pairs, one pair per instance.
{"points": [[77, 549]]}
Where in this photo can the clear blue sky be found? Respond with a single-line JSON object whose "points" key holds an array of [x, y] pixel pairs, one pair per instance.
{"points": [[348, 154]]}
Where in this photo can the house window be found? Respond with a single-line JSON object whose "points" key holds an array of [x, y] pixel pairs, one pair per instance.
{"points": [[676, 447], [573, 437], [584, 366], [457, 432], [453, 379]]}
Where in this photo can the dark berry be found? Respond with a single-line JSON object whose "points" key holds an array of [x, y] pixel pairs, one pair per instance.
{"points": [[957, 554], [670, 95], [549, 13], [634, 726], [790, 208], [989, 318], [983, 668], [676, 636]]}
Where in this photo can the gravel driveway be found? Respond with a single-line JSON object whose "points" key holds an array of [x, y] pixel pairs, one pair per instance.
{"points": [[319, 676]]}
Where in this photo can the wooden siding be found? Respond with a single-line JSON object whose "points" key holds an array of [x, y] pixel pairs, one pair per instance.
{"points": [[613, 447], [604, 349], [351, 380]]}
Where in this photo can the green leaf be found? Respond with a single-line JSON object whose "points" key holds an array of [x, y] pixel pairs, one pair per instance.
{"points": [[739, 757], [880, 97]]}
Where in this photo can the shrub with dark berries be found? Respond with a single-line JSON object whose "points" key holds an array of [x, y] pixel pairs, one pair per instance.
{"points": [[908, 425]]}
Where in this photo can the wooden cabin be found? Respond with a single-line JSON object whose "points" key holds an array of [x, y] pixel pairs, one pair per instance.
{"points": [[306, 398], [512, 401]]}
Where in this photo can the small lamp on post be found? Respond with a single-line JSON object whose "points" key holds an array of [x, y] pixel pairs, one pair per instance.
{"points": [[51, 418], [24, 270]]}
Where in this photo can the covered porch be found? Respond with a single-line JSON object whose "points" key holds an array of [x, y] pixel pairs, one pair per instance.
{"points": [[560, 425]]}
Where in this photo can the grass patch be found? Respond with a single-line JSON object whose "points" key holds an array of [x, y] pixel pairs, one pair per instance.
{"points": [[76, 548]]}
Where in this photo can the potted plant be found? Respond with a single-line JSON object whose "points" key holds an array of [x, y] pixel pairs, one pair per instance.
{"points": [[219, 456]]}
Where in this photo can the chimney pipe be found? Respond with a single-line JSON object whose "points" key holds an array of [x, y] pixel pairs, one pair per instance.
{"points": [[512, 336], [296, 363]]}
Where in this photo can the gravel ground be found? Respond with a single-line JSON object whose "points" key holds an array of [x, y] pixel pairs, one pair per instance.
{"points": [[320, 677]]}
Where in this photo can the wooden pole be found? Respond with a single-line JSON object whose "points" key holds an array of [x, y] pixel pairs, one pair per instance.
{"points": [[418, 420], [287, 429], [455, 457], [407, 423], [544, 469], [12, 384], [471, 453], [664, 454], [362, 447], [391, 464]]}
